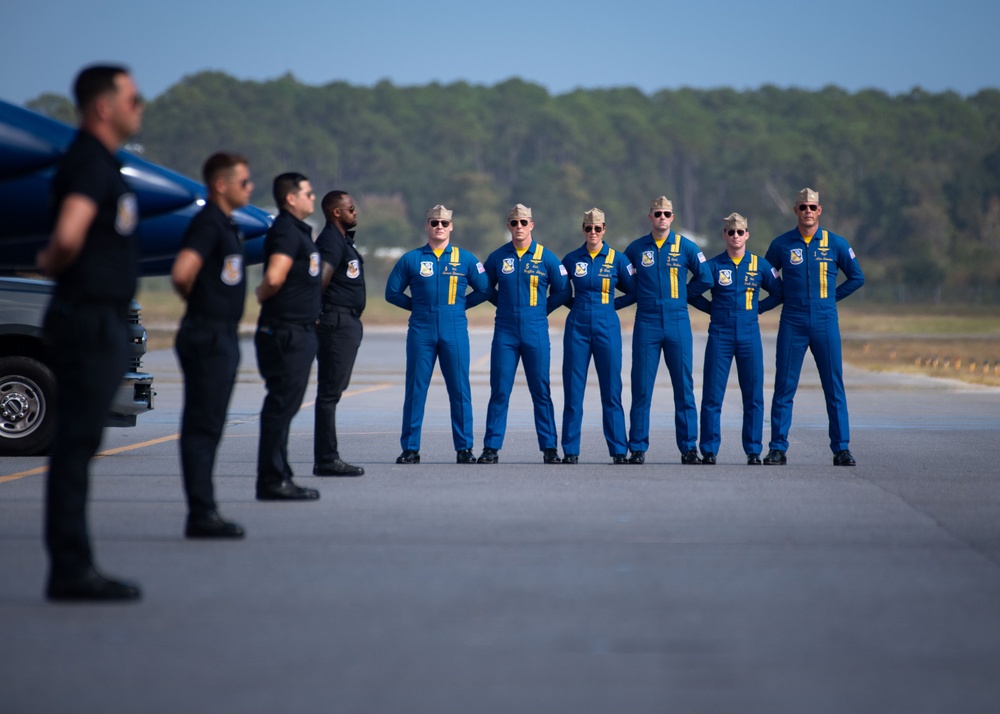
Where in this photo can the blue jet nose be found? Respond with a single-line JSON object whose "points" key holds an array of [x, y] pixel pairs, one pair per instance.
{"points": [[28, 141]]}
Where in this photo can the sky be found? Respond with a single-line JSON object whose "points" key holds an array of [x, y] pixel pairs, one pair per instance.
{"points": [[891, 45]]}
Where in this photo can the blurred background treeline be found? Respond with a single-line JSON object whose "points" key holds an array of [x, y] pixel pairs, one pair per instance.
{"points": [[912, 180]]}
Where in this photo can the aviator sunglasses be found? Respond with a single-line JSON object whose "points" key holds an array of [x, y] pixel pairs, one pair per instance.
{"points": [[811, 206], [665, 214], [594, 229], [514, 223], [444, 224], [737, 232]]}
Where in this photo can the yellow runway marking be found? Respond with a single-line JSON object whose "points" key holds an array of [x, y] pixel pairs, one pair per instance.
{"points": [[171, 437], [481, 362]]}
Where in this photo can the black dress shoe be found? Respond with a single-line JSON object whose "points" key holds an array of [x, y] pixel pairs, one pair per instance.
{"points": [[211, 525], [408, 457], [689, 458], [285, 491], [844, 458], [551, 456], [571, 459], [338, 467], [489, 456], [91, 587], [465, 456], [637, 457], [708, 458], [753, 459], [619, 459], [775, 457]]}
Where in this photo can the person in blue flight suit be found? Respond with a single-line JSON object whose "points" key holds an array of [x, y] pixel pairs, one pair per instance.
{"points": [[662, 260], [809, 259], [593, 329], [526, 282], [734, 332], [437, 275]]}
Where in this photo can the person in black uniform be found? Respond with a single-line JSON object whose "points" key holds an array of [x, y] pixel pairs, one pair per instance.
{"points": [[92, 255], [289, 294], [208, 273], [339, 329]]}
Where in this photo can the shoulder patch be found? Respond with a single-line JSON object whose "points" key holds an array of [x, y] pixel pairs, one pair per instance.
{"points": [[232, 269], [480, 268], [629, 268], [701, 257], [562, 270]]}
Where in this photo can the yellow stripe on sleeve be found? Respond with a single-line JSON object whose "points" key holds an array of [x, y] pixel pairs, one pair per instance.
{"points": [[452, 289], [823, 291], [673, 283], [533, 291]]}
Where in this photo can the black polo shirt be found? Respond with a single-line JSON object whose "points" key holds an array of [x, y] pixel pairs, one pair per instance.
{"points": [[298, 300], [347, 285], [105, 269], [219, 290]]}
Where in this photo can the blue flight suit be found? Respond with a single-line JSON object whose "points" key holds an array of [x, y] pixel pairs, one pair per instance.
{"points": [[662, 324], [518, 288], [593, 328], [734, 332], [437, 328], [809, 319]]}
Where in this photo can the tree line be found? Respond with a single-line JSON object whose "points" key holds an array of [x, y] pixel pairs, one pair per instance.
{"points": [[912, 180]]}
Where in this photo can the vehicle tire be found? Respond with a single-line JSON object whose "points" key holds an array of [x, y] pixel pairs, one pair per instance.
{"points": [[27, 407]]}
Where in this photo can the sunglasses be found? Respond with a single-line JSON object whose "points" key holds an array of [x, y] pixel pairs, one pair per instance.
{"points": [[594, 229], [514, 223], [435, 223], [737, 232], [245, 183], [665, 214], [811, 206]]}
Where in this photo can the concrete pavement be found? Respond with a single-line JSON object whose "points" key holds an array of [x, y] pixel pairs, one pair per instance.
{"points": [[531, 588]]}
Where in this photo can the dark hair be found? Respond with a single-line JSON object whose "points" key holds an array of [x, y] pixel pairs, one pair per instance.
{"points": [[331, 201], [219, 163], [94, 81], [285, 184]]}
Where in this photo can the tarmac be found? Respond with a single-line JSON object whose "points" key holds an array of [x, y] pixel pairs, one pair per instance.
{"points": [[523, 587]]}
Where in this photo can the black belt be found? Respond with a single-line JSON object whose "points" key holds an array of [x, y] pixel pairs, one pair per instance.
{"points": [[342, 310]]}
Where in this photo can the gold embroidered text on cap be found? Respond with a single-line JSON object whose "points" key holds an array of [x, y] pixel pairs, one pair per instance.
{"points": [[594, 215]]}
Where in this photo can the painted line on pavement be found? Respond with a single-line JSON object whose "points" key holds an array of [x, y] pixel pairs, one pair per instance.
{"points": [[171, 437]]}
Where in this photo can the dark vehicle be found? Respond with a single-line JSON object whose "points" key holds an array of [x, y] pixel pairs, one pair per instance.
{"points": [[27, 386]]}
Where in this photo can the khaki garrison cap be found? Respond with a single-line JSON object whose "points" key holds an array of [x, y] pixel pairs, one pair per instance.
{"points": [[734, 221], [439, 212], [807, 195], [661, 204], [594, 215], [519, 211]]}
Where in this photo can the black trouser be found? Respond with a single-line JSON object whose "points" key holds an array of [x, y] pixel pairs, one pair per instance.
{"points": [[339, 335], [209, 353], [285, 352], [88, 353]]}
